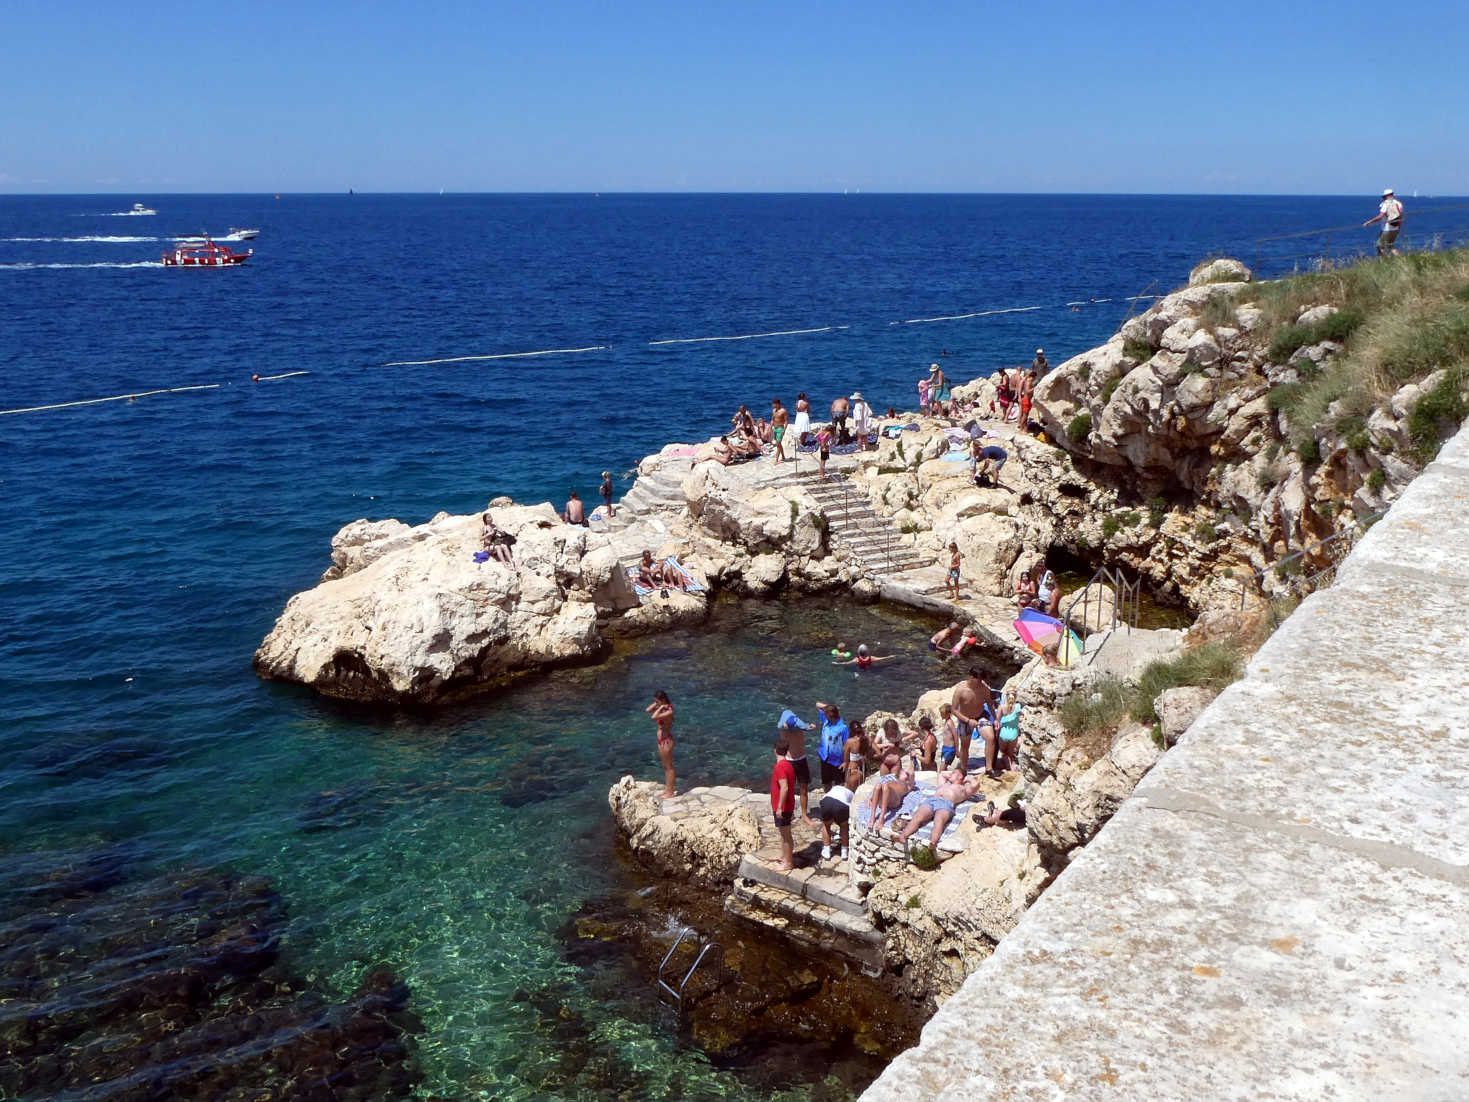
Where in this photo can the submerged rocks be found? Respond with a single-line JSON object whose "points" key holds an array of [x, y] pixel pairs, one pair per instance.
{"points": [[154, 988]]}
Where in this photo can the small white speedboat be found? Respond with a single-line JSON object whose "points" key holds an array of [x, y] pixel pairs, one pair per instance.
{"points": [[237, 234], [138, 208]]}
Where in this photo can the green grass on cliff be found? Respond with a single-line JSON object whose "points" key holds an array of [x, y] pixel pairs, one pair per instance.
{"points": [[1401, 319], [1102, 709]]}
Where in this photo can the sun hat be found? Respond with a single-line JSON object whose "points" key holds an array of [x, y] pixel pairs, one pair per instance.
{"points": [[1040, 351], [1387, 191], [932, 368], [857, 396]]}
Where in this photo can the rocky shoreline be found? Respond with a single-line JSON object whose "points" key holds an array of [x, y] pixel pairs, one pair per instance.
{"points": [[1158, 452]]}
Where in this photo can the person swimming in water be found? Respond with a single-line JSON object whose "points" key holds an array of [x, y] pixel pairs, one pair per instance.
{"points": [[864, 659]]}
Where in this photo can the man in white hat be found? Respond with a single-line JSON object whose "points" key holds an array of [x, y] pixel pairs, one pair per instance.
{"points": [[1390, 212], [1040, 365], [861, 418]]}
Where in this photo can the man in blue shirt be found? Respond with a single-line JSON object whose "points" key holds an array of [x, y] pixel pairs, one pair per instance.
{"points": [[794, 729], [834, 735]]}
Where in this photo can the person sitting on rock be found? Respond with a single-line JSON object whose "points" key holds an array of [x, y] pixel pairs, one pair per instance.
{"points": [[575, 512], [1048, 592], [496, 541], [836, 808], [1025, 592], [952, 791], [656, 575], [723, 454], [743, 422], [892, 788], [928, 744]]}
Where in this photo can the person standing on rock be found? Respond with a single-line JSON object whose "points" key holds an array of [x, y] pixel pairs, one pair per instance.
{"points": [[1390, 213], [1040, 365], [662, 712], [939, 394], [971, 704], [832, 751], [607, 493], [861, 419], [779, 419], [783, 804], [803, 419], [793, 729], [1027, 396], [953, 579]]}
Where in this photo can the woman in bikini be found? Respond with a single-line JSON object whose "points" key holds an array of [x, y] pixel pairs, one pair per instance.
{"points": [[662, 712]]}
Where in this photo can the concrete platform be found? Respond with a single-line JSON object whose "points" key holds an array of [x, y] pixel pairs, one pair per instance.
{"points": [[1279, 909], [825, 883], [824, 929]]}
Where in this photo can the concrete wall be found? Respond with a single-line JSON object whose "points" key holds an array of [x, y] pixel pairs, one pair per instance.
{"points": [[1281, 910]]}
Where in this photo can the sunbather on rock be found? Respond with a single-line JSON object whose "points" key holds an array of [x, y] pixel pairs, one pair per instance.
{"points": [[496, 541], [952, 791], [723, 454], [893, 785]]}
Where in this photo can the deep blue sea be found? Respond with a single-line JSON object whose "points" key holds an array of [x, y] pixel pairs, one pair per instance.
{"points": [[147, 546]]}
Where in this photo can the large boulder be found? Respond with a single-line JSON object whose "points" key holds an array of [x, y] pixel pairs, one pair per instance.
{"points": [[723, 503], [420, 620]]}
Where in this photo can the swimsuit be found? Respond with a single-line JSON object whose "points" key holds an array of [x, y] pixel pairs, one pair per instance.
{"points": [[864, 661], [803, 771], [937, 804], [949, 752], [779, 433], [953, 573]]}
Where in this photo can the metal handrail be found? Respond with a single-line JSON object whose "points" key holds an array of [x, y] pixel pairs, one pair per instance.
{"points": [[1126, 598]]}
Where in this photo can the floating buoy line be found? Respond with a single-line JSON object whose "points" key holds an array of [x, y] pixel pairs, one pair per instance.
{"points": [[665, 342]]}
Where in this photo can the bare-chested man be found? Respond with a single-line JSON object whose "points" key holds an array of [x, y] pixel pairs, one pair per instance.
{"points": [[793, 729], [839, 410], [971, 703], [952, 791], [779, 418]]}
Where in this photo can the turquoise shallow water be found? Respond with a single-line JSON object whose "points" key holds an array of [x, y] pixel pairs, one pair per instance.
{"points": [[452, 847]]}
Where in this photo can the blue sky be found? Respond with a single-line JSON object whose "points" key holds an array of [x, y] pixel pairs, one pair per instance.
{"points": [[659, 96]]}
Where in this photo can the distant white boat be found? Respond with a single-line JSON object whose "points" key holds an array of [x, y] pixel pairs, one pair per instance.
{"points": [[237, 234], [138, 208]]}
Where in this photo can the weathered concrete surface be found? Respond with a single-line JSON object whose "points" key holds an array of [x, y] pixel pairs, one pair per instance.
{"points": [[1278, 911]]}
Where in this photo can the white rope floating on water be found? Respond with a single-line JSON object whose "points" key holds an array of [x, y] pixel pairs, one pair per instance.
{"points": [[143, 394], [976, 314], [498, 356], [754, 336], [114, 398]]}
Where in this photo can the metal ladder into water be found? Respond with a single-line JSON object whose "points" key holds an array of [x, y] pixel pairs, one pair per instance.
{"points": [[677, 993]]}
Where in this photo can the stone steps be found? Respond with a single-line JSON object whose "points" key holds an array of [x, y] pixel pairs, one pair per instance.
{"points": [[826, 883], [824, 929]]}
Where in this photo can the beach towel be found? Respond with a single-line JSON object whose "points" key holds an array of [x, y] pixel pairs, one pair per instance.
{"points": [[910, 804], [691, 584]]}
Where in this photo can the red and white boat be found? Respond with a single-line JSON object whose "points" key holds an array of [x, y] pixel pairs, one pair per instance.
{"points": [[205, 254]]}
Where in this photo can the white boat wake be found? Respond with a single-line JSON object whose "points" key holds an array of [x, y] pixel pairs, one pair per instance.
{"points": [[26, 266], [91, 239]]}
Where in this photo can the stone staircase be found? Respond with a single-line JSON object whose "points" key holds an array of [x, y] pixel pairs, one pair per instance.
{"points": [[815, 904], [866, 539]]}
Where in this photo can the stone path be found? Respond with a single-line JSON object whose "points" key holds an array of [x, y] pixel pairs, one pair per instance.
{"points": [[1278, 909]]}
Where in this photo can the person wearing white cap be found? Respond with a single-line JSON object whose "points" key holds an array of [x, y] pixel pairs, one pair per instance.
{"points": [[1390, 212], [1040, 365], [939, 394]]}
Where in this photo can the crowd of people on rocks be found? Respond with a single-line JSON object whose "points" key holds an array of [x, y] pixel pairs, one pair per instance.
{"points": [[974, 736]]}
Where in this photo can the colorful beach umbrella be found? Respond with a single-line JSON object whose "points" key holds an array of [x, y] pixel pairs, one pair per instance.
{"points": [[1036, 630]]}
